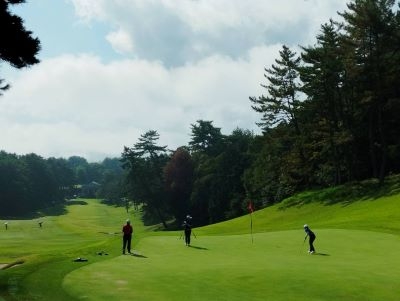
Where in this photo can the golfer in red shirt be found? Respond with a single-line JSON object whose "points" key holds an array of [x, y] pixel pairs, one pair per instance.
{"points": [[127, 230]]}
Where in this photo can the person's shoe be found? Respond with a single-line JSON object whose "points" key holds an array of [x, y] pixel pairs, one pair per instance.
{"points": [[312, 252]]}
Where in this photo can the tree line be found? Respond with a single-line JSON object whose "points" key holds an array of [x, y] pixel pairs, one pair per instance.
{"points": [[29, 183], [329, 116]]}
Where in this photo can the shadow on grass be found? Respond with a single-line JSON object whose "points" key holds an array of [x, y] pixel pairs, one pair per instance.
{"points": [[346, 194], [321, 254], [56, 210], [198, 248], [76, 202], [138, 255]]}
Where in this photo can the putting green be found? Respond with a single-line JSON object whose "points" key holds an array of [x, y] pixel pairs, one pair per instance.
{"points": [[350, 265]]}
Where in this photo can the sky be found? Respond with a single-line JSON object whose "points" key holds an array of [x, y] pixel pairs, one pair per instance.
{"points": [[111, 70]]}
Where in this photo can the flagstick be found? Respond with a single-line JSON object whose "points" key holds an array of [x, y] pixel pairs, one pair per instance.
{"points": [[251, 227], [251, 209]]}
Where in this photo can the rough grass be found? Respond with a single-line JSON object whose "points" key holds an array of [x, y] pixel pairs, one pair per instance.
{"points": [[357, 238]]}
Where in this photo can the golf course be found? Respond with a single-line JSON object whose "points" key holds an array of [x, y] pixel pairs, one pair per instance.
{"points": [[76, 254]]}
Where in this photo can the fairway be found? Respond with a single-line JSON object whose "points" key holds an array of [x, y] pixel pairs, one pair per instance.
{"points": [[356, 260], [350, 265]]}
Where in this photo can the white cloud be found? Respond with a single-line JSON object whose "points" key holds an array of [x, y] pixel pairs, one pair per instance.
{"points": [[120, 41], [88, 10], [188, 60], [79, 105], [188, 30]]}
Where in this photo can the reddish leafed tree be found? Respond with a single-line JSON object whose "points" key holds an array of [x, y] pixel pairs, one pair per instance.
{"points": [[178, 175]]}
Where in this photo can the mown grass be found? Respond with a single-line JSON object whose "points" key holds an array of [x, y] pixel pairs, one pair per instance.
{"points": [[48, 252], [351, 265], [357, 235]]}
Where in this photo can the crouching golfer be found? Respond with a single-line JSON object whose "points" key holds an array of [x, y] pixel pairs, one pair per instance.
{"points": [[127, 231], [187, 228], [311, 239]]}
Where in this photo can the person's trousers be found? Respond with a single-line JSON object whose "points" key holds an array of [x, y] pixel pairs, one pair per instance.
{"points": [[311, 241], [187, 236], [126, 243]]}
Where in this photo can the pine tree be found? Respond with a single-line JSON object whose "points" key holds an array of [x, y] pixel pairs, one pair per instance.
{"points": [[372, 37], [282, 103], [327, 108]]}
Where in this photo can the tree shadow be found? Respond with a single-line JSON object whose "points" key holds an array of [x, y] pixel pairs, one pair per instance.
{"points": [[76, 202], [55, 210]]}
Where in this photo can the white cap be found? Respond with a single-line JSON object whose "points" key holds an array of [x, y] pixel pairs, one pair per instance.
{"points": [[128, 221], [305, 226]]}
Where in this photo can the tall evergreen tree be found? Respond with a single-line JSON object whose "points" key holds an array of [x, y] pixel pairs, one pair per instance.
{"points": [[205, 138], [281, 107], [145, 162], [327, 111], [372, 36], [281, 104]]}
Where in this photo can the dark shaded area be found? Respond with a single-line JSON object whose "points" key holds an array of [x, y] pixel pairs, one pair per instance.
{"points": [[5, 294], [56, 210], [76, 202], [59, 209]]}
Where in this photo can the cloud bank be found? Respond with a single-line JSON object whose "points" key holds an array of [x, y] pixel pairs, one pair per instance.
{"points": [[178, 62]]}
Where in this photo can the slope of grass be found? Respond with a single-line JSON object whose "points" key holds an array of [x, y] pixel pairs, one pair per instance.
{"points": [[357, 229], [346, 207]]}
